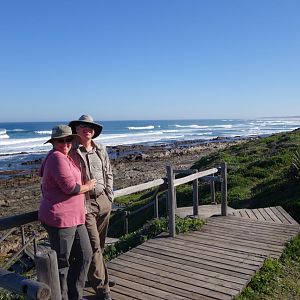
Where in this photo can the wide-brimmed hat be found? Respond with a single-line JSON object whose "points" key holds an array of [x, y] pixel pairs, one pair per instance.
{"points": [[87, 120], [61, 131]]}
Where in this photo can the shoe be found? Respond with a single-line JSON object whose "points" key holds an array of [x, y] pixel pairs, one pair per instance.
{"points": [[111, 283], [104, 296]]}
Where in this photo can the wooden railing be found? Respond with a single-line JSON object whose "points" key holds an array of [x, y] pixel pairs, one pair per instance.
{"points": [[207, 175], [41, 291]]}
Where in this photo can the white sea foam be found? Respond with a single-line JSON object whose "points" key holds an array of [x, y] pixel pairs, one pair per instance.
{"points": [[16, 130], [3, 134], [141, 127], [194, 126], [43, 131], [29, 141]]}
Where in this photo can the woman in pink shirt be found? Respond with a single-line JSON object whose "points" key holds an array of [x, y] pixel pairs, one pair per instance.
{"points": [[62, 212]]}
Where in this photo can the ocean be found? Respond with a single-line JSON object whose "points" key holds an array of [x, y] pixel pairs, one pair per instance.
{"points": [[22, 142]]}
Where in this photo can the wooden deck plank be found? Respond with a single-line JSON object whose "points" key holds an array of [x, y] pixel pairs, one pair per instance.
{"points": [[213, 277], [284, 228], [249, 230], [258, 215], [281, 218], [209, 255], [274, 216], [239, 241], [226, 268], [157, 287], [138, 289], [267, 216], [289, 219], [283, 215], [251, 236], [215, 262], [192, 263], [251, 215], [135, 268], [220, 263], [229, 246], [214, 251]]}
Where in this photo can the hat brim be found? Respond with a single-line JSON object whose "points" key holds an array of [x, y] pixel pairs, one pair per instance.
{"points": [[97, 127], [63, 136]]}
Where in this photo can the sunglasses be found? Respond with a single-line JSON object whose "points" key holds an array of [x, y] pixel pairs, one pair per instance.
{"points": [[65, 140], [86, 126]]}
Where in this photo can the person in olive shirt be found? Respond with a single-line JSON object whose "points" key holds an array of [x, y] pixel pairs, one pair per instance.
{"points": [[93, 161]]}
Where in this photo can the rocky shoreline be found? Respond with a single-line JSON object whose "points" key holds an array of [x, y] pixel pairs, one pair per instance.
{"points": [[131, 165]]}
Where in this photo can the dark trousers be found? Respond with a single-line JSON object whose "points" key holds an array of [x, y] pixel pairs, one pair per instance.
{"points": [[73, 258]]}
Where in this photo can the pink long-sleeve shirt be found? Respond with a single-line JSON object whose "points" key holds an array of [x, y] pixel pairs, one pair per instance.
{"points": [[61, 205]]}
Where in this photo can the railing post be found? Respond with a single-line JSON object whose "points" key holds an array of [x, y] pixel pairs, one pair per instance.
{"points": [[156, 214], [23, 235], [195, 196], [224, 189], [47, 271], [167, 202], [212, 191], [171, 202], [125, 217]]}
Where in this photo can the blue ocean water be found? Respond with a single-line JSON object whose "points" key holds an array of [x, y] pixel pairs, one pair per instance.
{"points": [[21, 142]]}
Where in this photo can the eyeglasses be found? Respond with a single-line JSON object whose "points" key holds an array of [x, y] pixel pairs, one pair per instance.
{"points": [[65, 140]]}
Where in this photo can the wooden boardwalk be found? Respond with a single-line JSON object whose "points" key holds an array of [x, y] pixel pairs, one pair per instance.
{"points": [[216, 262]]}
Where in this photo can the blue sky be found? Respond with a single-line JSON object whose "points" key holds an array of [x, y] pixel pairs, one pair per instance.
{"points": [[149, 59]]}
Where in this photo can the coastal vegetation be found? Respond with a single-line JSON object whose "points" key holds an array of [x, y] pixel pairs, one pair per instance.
{"points": [[277, 279], [262, 172]]}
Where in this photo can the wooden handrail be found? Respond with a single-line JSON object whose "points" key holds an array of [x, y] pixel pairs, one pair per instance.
{"points": [[16, 283], [138, 188], [18, 220], [194, 176]]}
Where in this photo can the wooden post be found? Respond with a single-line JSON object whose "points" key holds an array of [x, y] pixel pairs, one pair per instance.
{"points": [[224, 189], [195, 196], [167, 202], [23, 235], [175, 198], [171, 202], [47, 271], [16, 283], [156, 214], [212, 191], [125, 217]]}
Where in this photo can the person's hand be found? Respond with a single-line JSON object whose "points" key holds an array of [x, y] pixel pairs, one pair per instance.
{"points": [[91, 184]]}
